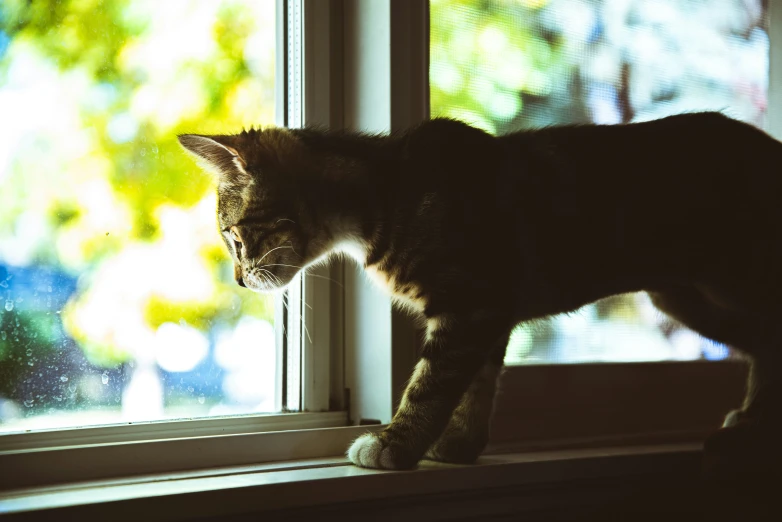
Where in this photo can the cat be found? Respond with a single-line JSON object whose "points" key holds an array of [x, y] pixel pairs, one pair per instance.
{"points": [[475, 233]]}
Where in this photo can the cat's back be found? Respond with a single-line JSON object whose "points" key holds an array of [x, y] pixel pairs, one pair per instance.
{"points": [[674, 185], [692, 153], [444, 147], [696, 162], [677, 137]]}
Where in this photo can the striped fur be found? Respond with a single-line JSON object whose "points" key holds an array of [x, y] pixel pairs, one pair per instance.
{"points": [[475, 233]]}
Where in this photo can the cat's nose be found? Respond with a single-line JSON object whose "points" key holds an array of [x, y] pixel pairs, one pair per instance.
{"points": [[238, 275]]}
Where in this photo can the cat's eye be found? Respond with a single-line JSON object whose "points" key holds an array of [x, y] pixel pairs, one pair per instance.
{"points": [[237, 239], [234, 233]]}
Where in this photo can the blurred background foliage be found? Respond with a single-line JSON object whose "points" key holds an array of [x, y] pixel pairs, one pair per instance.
{"points": [[107, 229]]}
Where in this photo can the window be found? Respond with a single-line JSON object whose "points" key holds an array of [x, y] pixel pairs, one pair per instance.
{"points": [[119, 303], [506, 66], [148, 315], [345, 353]]}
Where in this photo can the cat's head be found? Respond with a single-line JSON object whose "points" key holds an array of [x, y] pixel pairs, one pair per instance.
{"points": [[268, 228]]}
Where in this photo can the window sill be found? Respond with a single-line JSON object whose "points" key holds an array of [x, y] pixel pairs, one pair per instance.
{"points": [[498, 486], [160, 468]]}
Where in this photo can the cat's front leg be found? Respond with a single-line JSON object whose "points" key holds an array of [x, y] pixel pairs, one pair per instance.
{"points": [[456, 348]]}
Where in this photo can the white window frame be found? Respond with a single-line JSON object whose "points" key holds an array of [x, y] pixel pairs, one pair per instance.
{"points": [[314, 301], [365, 67]]}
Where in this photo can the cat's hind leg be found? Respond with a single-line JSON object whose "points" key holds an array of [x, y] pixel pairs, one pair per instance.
{"points": [[755, 333], [752, 437], [467, 432]]}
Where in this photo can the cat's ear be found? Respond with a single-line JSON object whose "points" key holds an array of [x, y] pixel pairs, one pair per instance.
{"points": [[217, 155]]}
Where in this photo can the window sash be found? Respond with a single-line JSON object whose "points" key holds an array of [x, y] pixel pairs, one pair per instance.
{"points": [[303, 372], [321, 344], [313, 340], [78, 463], [162, 430]]}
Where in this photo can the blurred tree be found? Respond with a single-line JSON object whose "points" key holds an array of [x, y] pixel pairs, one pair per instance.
{"points": [[96, 176]]}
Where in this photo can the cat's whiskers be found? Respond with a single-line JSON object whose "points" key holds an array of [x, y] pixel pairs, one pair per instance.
{"points": [[282, 264], [306, 331], [286, 305], [269, 278], [307, 273], [262, 276], [272, 250], [290, 245], [304, 323], [273, 280], [326, 278]]}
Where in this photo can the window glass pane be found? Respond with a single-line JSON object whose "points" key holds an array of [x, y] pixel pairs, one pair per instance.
{"points": [[118, 299], [510, 65]]}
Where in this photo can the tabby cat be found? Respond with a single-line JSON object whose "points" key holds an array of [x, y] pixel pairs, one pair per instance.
{"points": [[476, 233]]}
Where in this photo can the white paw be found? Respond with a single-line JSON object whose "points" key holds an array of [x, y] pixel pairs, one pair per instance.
{"points": [[369, 451]]}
